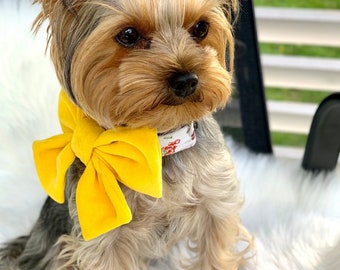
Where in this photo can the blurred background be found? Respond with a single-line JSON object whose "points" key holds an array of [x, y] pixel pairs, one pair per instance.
{"points": [[300, 55]]}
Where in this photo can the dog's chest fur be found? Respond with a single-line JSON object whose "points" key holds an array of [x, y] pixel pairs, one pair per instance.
{"points": [[195, 180]]}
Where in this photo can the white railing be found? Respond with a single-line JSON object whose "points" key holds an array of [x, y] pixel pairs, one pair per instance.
{"points": [[298, 26], [308, 73]]}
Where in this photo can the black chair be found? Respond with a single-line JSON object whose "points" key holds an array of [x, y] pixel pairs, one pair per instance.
{"points": [[323, 143], [249, 80]]}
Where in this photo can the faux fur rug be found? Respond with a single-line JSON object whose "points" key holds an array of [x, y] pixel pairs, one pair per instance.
{"points": [[294, 216]]}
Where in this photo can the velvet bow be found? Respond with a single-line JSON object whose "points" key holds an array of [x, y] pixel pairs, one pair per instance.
{"points": [[131, 156]]}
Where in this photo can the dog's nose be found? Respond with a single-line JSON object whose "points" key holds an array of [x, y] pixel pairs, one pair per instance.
{"points": [[183, 84]]}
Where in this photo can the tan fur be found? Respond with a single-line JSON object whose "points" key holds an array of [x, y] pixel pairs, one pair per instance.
{"points": [[135, 74], [128, 86]]}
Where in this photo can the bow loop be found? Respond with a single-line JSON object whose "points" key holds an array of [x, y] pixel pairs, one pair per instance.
{"points": [[129, 156], [137, 145]]}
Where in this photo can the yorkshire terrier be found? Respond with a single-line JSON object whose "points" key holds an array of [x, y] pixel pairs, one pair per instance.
{"points": [[159, 64]]}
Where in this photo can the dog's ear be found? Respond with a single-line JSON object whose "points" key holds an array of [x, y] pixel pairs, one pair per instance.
{"points": [[52, 8], [231, 10], [69, 5]]}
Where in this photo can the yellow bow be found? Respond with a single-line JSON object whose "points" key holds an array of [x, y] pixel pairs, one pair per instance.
{"points": [[131, 156]]}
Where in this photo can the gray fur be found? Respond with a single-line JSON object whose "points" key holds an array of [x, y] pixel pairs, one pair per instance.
{"points": [[30, 252]]}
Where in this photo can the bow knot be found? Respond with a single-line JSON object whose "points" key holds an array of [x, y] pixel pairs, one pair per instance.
{"points": [[83, 144], [131, 157]]}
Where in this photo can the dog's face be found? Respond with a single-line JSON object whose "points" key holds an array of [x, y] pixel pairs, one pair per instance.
{"points": [[159, 63]]}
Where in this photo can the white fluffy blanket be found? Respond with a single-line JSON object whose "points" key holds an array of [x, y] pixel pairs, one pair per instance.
{"points": [[294, 216]]}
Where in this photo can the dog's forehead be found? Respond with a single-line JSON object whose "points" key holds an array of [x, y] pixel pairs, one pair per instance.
{"points": [[166, 12]]}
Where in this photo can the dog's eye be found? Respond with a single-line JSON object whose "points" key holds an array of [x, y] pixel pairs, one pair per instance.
{"points": [[128, 37], [200, 30]]}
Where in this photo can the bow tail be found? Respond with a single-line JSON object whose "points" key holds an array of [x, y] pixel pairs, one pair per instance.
{"points": [[101, 203]]}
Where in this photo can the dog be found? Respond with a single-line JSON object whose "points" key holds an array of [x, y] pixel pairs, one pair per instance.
{"points": [[142, 65]]}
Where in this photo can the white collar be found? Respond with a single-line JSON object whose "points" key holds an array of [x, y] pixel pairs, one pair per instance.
{"points": [[180, 139]]}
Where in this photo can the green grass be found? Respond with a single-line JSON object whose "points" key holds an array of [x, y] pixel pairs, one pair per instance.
{"points": [[294, 140], [302, 50], [296, 95], [324, 4], [278, 138]]}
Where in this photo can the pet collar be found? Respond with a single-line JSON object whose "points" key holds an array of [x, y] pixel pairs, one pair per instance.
{"points": [[177, 140], [130, 156]]}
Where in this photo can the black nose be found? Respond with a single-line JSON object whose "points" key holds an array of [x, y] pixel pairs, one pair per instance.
{"points": [[183, 84]]}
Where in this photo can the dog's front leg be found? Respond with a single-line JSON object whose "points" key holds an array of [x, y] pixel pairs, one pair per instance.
{"points": [[216, 225], [214, 242]]}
